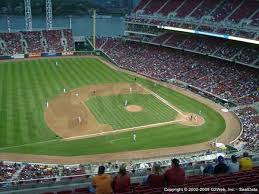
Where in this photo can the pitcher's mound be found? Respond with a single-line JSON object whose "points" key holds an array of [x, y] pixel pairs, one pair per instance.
{"points": [[134, 108]]}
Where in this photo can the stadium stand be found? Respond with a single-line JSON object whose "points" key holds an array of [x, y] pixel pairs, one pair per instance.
{"points": [[233, 17], [36, 42], [53, 38], [68, 35], [195, 163], [10, 43], [33, 40], [250, 121], [232, 82]]}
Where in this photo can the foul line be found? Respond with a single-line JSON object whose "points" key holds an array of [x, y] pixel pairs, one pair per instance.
{"points": [[29, 144], [123, 130], [163, 100]]}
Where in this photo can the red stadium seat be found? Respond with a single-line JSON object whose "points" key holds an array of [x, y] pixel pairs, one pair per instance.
{"points": [[64, 192], [81, 190]]}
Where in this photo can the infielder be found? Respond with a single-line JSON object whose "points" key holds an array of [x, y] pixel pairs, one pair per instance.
{"points": [[47, 104], [64, 90], [126, 103], [79, 120]]}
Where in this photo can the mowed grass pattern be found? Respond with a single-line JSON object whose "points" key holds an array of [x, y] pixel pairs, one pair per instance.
{"points": [[26, 85], [111, 110]]}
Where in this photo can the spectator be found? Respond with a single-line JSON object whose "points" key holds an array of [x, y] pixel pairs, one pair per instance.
{"points": [[175, 175], [156, 179], [102, 182], [146, 176], [233, 165], [221, 167], [121, 182], [209, 169], [246, 162]]}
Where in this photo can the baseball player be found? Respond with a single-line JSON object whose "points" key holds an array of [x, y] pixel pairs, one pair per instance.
{"points": [[79, 119], [47, 104], [126, 103], [64, 90], [134, 137]]}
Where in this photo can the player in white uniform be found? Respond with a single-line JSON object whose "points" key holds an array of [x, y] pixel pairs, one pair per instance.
{"points": [[64, 90], [47, 104], [134, 137], [79, 119], [126, 103], [56, 63]]}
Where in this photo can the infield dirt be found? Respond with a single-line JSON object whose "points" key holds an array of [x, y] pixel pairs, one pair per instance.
{"points": [[69, 117]]}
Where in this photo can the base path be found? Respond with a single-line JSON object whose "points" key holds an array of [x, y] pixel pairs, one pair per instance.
{"points": [[68, 116]]}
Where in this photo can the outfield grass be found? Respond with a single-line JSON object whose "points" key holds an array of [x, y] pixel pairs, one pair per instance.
{"points": [[111, 110], [26, 85]]}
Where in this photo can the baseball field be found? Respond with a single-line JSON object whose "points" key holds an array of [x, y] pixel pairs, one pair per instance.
{"points": [[82, 106]]}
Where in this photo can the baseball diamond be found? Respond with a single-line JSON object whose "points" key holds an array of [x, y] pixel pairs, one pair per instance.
{"points": [[96, 92]]}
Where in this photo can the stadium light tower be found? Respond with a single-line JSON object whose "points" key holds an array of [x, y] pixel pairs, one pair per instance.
{"points": [[70, 21], [94, 27], [48, 14], [28, 17], [8, 24]]}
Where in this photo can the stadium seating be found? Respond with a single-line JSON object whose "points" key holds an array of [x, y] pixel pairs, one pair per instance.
{"points": [[53, 38], [170, 7], [12, 43], [208, 182], [219, 15], [33, 40], [226, 49], [68, 35], [250, 120], [215, 76], [187, 8], [56, 41]]}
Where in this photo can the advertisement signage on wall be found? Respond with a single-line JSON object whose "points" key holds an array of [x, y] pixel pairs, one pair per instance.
{"points": [[52, 54], [18, 56]]}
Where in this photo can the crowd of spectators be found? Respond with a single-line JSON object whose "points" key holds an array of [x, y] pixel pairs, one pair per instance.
{"points": [[37, 171], [229, 50], [7, 171], [68, 35], [36, 42], [175, 176], [11, 43], [230, 81], [54, 42], [68, 171], [250, 122], [226, 14], [155, 174]]}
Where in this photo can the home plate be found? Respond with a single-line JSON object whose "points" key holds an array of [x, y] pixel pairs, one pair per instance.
{"points": [[224, 110]]}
